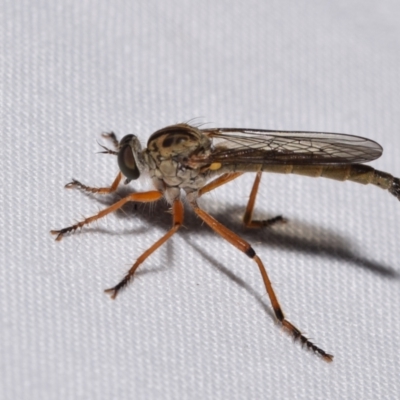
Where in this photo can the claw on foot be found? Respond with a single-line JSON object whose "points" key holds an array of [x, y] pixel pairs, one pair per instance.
{"points": [[58, 233], [113, 292], [276, 220], [73, 184]]}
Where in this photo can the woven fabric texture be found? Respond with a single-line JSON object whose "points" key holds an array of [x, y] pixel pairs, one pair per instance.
{"points": [[196, 322]]}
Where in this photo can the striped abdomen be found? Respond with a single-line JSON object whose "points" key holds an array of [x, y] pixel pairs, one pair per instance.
{"points": [[359, 173]]}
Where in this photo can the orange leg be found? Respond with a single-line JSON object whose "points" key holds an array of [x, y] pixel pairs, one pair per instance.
{"points": [[245, 247], [221, 180], [145, 197], [177, 210], [247, 217], [102, 190]]}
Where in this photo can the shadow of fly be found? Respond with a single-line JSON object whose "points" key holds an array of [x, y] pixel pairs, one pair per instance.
{"points": [[185, 158]]}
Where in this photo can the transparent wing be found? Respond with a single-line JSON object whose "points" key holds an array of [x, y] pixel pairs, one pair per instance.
{"points": [[287, 147]]}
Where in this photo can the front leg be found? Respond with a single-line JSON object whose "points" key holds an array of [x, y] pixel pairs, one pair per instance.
{"points": [[74, 184], [145, 197], [113, 138]]}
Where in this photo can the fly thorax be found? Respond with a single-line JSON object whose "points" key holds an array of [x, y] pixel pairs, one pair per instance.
{"points": [[169, 151]]}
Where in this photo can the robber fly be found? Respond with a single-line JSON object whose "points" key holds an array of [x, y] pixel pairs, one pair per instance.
{"points": [[185, 158]]}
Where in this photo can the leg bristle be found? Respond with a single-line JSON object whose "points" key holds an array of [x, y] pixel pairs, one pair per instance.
{"points": [[304, 341], [111, 136]]}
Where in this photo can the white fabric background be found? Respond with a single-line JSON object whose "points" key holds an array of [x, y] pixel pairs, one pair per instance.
{"points": [[196, 323]]}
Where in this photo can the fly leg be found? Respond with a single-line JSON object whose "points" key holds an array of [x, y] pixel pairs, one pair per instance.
{"points": [[247, 217], [245, 247], [145, 197], [74, 184], [113, 138], [221, 180], [177, 211]]}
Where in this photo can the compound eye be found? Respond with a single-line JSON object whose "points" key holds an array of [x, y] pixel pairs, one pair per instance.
{"points": [[126, 160]]}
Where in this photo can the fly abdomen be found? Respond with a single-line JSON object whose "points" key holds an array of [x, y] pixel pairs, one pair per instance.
{"points": [[359, 173]]}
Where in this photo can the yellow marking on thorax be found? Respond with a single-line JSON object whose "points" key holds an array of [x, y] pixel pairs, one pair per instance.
{"points": [[215, 166]]}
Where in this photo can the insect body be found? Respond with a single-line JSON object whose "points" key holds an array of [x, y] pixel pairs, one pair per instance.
{"points": [[185, 158]]}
